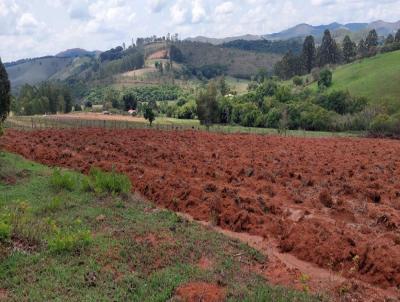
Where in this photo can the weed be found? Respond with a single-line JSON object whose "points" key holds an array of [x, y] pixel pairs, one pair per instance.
{"points": [[106, 182], [69, 241], [62, 181], [53, 206], [304, 280], [5, 231]]}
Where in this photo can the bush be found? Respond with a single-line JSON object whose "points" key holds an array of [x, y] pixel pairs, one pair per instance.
{"points": [[298, 81], [5, 231], [325, 79], [385, 125], [106, 182], [52, 206], [69, 242], [60, 181]]}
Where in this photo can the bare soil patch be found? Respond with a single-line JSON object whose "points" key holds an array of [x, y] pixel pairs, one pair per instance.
{"points": [[200, 292], [333, 203]]}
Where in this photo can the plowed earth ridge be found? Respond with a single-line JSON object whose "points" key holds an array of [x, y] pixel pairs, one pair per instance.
{"points": [[332, 202]]}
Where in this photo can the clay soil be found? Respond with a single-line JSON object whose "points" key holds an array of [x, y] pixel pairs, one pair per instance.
{"points": [[333, 203]]}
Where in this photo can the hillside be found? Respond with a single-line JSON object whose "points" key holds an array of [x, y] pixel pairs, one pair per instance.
{"points": [[36, 70], [238, 63], [376, 78]]}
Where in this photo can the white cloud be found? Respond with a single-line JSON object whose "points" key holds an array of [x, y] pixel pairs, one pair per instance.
{"points": [[157, 6], [225, 8], [41, 27], [198, 11]]}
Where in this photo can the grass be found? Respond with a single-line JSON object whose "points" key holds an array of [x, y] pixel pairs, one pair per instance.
{"points": [[376, 78], [72, 245], [161, 123]]}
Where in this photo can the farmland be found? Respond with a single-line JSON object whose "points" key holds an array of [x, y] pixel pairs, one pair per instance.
{"points": [[266, 186]]}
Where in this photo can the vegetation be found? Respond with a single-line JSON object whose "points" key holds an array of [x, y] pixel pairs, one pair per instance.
{"points": [[149, 114], [266, 46], [45, 98], [5, 94], [329, 53], [113, 247]]}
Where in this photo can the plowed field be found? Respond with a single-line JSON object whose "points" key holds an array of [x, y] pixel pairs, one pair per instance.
{"points": [[331, 202]]}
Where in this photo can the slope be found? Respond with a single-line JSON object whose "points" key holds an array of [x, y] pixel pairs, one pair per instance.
{"points": [[376, 78], [36, 70], [238, 63]]}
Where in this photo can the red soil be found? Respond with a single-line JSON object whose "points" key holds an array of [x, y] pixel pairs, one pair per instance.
{"points": [[331, 202], [200, 292]]}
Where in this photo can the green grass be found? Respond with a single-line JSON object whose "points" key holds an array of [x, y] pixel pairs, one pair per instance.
{"points": [[72, 245], [376, 78], [162, 123]]}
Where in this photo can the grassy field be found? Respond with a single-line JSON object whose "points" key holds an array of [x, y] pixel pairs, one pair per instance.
{"points": [[59, 242], [161, 123], [376, 78]]}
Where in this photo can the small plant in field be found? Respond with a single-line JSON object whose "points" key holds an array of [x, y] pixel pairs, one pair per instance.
{"points": [[62, 181], [21, 224], [53, 206], [356, 264], [304, 280], [106, 182], [65, 241], [5, 231]]}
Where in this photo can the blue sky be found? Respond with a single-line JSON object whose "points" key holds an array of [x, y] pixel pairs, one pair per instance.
{"points": [[30, 28]]}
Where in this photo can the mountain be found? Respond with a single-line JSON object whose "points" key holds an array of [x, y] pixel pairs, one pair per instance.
{"points": [[384, 28], [77, 52], [357, 30], [303, 30], [338, 30], [216, 41]]}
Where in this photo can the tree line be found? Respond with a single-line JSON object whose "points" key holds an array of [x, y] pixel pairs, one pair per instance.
{"points": [[331, 53], [5, 95], [45, 98]]}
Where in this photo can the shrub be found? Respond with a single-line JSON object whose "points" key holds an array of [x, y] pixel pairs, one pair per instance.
{"points": [[325, 79], [149, 114], [106, 182], [53, 205], [69, 242], [5, 231], [385, 125], [298, 81], [60, 180]]}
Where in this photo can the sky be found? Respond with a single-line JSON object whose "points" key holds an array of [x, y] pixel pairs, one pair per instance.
{"points": [[32, 28]]}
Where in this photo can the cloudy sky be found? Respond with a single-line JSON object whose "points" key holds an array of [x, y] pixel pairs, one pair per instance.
{"points": [[30, 28]]}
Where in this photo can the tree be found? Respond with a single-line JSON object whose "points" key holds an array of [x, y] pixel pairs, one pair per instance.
{"points": [[207, 105], [325, 79], [289, 66], [149, 115], [67, 101], [223, 86], [130, 102], [309, 54], [349, 49], [372, 40], [328, 52], [5, 95], [362, 50], [389, 40], [397, 37], [175, 54]]}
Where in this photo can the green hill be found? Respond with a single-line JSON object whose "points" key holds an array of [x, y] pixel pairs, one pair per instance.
{"points": [[36, 70], [376, 78]]}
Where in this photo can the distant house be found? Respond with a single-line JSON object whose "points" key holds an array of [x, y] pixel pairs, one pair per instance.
{"points": [[132, 112]]}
